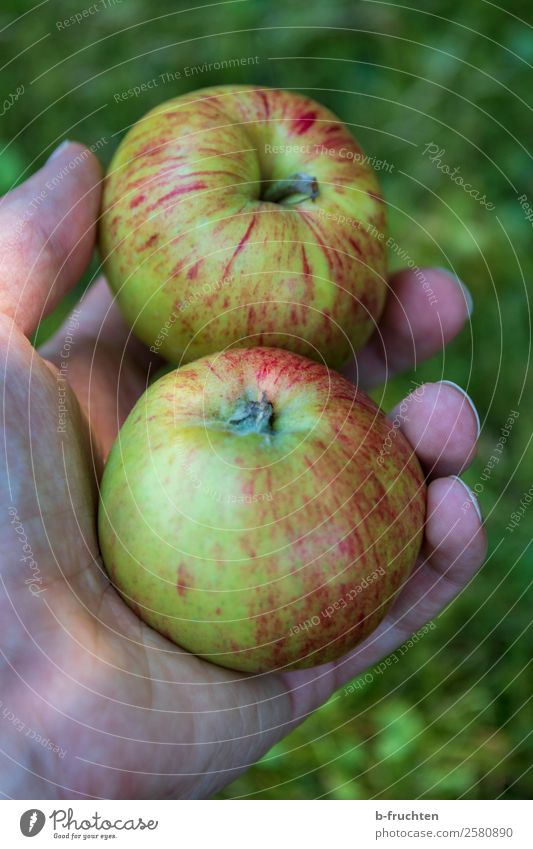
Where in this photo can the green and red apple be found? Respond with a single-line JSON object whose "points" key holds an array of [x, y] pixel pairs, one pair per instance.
{"points": [[254, 511], [244, 216]]}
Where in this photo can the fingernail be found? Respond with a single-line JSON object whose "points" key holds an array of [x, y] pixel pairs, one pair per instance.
{"points": [[468, 398], [471, 496], [59, 150], [464, 289]]}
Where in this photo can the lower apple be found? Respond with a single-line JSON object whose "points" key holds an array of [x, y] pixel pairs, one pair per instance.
{"points": [[259, 510]]}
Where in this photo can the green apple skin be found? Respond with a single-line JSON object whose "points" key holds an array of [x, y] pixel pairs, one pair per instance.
{"points": [[199, 260], [260, 550]]}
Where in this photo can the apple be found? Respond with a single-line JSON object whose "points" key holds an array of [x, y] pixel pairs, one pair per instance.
{"points": [[260, 511], [249, 216]]}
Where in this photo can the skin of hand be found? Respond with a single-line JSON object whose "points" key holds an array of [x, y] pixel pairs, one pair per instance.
{"points": [[134, 716]]}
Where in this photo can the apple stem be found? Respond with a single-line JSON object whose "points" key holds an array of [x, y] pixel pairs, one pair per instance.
{"points": [[252, 416], [298, 184]]}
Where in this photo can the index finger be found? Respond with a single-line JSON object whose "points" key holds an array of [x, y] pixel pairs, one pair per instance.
{"points": [[47, 234]]}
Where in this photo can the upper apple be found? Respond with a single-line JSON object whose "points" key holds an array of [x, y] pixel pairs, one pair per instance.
{"points": [[239, 215]]}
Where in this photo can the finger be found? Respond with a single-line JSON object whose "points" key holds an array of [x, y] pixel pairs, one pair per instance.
{"points": [[425, 309], [454, 549], [104, 363], [97, 317], [42, 431], [47, 233], [442, 425]]}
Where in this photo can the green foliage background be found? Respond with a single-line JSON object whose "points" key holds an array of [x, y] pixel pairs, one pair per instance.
{"points": [[453, 717]]}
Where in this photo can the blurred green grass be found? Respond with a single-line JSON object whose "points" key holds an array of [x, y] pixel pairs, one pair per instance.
{"points": [[451, 719]]}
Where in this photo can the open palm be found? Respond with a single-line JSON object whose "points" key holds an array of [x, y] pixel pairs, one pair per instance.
{"points": [[96, 703]]}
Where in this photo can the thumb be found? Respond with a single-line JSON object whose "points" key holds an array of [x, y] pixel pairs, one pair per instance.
{"points": [[47, 234]]}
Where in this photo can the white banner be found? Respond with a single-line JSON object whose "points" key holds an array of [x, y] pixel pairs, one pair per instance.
{"points": [[268, 824]]}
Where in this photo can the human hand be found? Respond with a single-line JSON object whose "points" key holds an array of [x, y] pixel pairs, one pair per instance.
{"points": [[133, 715]]}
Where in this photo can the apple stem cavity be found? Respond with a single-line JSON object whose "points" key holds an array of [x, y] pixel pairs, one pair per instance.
{"points": [[294, 189], [252, 416]]}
